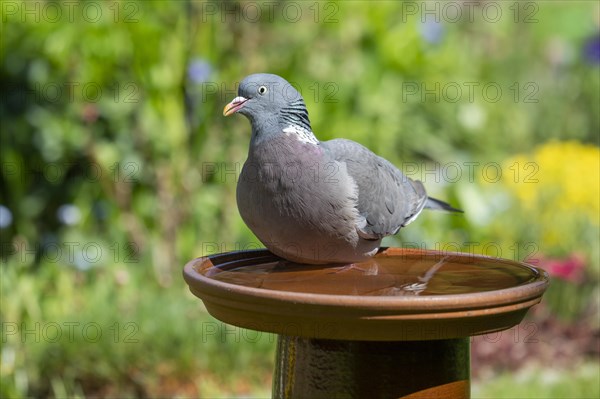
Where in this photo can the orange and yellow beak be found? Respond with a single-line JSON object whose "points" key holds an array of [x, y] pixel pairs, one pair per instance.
{"points": [[234, 106]]}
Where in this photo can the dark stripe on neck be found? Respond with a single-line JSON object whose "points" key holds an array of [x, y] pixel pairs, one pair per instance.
{"points": [[295, 113]]}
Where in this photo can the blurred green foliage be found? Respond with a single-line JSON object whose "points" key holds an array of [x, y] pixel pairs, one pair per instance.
{"points": [[579, 383], [117, 166]]}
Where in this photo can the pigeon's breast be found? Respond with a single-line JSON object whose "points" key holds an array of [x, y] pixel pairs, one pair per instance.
{"points": [[297, 199]]}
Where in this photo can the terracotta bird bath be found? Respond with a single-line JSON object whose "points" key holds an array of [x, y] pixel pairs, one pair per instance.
{"points": [[395, 326]]}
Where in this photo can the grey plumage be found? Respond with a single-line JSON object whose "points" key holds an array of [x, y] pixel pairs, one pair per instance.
{"points": [[310, 201]]}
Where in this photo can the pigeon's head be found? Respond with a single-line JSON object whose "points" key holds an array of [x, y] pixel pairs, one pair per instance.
{"points": [[269, 102]]}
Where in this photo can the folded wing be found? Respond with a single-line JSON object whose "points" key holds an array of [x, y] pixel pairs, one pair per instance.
{"points": [[387, 199]]}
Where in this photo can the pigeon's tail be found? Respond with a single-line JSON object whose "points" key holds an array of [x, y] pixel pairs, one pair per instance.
{"points": [[436, 204]]}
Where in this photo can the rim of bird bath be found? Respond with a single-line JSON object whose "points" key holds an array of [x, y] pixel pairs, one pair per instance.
{"points": [[365, 318]]}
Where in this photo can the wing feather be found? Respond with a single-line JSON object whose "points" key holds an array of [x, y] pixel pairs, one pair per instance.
{"points": [[387, 199]]}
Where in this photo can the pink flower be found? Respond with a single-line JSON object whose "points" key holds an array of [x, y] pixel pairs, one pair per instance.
{"points": [[569, 269]]}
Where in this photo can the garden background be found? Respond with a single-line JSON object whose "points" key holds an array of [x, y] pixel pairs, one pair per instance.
{"points": [[118, 167]]}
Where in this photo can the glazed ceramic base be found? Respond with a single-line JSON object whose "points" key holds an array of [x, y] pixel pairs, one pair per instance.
{"points": [[318, 368]]}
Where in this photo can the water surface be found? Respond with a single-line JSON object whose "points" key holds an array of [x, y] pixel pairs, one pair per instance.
{"points": [[399, 275]]}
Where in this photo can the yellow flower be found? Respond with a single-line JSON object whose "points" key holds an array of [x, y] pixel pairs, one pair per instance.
{"points": [[557, 177]]}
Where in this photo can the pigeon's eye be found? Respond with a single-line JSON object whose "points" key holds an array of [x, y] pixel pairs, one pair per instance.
{"points": [[262, 90]]}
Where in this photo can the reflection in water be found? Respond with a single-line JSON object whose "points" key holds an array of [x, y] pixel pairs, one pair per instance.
{"points": [[402, 275], [421, 286]]}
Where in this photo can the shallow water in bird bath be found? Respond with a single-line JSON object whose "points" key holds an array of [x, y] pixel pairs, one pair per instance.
{"points": [[406, 274]]}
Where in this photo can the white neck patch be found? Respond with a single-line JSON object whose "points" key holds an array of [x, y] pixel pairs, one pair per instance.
{"points": [[301, 134]]}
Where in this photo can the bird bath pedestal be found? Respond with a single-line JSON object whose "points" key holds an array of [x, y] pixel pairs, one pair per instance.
{"points": [[395, 326]]}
